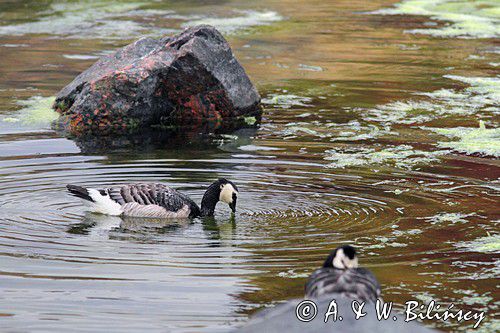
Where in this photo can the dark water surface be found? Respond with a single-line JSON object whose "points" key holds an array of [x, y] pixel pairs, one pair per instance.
{"points": [[371, 135]]}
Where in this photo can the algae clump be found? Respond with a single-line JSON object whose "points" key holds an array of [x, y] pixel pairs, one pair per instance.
{"points": [[490, 243], [403, 156], [466, 19], [482, 140], [35, 112]]}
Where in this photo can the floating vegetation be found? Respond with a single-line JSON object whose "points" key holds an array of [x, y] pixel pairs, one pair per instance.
{"points": [[95, 19], [493, 325], [80, 56], [310, 68], [250, 120], [409, 232], [286, 101], [354, 131], [304, 115], [257, 148], [335, 132], [383, 242], [293, 129], [426, 297], [483, 95], [403, 156], [125, 20], [482, 140], [490, 243], [249, 18], [14, 45], [36, 111], [11, 120], [292, 274], [482, 90], [449, 218], [466, 19], [408, 112]]}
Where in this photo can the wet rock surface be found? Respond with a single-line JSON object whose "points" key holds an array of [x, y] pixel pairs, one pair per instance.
{"points": [[192, 79]]}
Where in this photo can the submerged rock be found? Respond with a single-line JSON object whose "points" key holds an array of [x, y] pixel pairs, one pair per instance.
{"points": [[189, 79]]}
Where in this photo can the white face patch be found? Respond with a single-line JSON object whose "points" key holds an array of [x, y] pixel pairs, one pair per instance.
{"points": [[226, 193], [343, 262]]}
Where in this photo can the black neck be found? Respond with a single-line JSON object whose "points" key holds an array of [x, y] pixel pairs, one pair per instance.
{"points": [[209, 200], [329, 261]]}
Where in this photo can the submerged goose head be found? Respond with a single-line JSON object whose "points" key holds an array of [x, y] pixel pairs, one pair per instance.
{"points": [[220, 190], [343, 257]]}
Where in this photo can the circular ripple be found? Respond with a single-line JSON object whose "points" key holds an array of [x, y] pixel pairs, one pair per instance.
{"points": [[288, 218]]}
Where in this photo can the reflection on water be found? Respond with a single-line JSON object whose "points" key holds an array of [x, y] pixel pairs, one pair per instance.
{"points": [[371, 135]]}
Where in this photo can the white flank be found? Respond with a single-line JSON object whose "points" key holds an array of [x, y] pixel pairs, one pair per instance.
{"points": [[103, 203]]}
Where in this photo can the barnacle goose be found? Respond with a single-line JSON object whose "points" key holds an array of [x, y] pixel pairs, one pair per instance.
{"points": [[340, 274], [155, 200], [340, 281]]}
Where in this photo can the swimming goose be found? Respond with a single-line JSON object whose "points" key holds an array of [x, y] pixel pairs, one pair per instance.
{"points": [[155, 200], [340, 280], [340, 275]]}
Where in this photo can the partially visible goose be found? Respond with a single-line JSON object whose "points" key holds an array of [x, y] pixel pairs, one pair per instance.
{"points": [[341, 280], [155, 200], [340, 274]]}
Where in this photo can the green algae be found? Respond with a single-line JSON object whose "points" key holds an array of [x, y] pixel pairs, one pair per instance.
{"points": [[482, 140], [490, 243], [35, 112], [304, 115], [449, 218], [125, 20], [425, 297], [384, 242], [250, 120], [492, 325], [99, 19], [409, 232], [482, 96], [467, 19], [295, 128], [482, 90], [286, 101], [404, 157], [257, 148], [354, 131], [11, 120], [292, 274], [311, 68], [246, 19]]}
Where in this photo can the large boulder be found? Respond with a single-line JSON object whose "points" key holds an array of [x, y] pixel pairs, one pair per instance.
{"points": [[189, 79]]}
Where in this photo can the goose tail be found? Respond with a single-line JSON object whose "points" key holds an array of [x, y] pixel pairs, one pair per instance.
{"points": [[80, 192], [99, 200]]}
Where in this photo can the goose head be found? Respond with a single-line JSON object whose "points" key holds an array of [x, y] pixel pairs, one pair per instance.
{"points": [[220, 190], [343, 257]]}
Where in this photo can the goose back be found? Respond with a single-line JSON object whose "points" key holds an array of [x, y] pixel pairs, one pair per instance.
{"points": [[355, 283], [152, 200]]}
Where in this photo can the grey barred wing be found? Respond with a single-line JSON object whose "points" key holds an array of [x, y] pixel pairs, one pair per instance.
{"points": [[365, 277], [150, 194], [359, 283], [364, 285]]}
